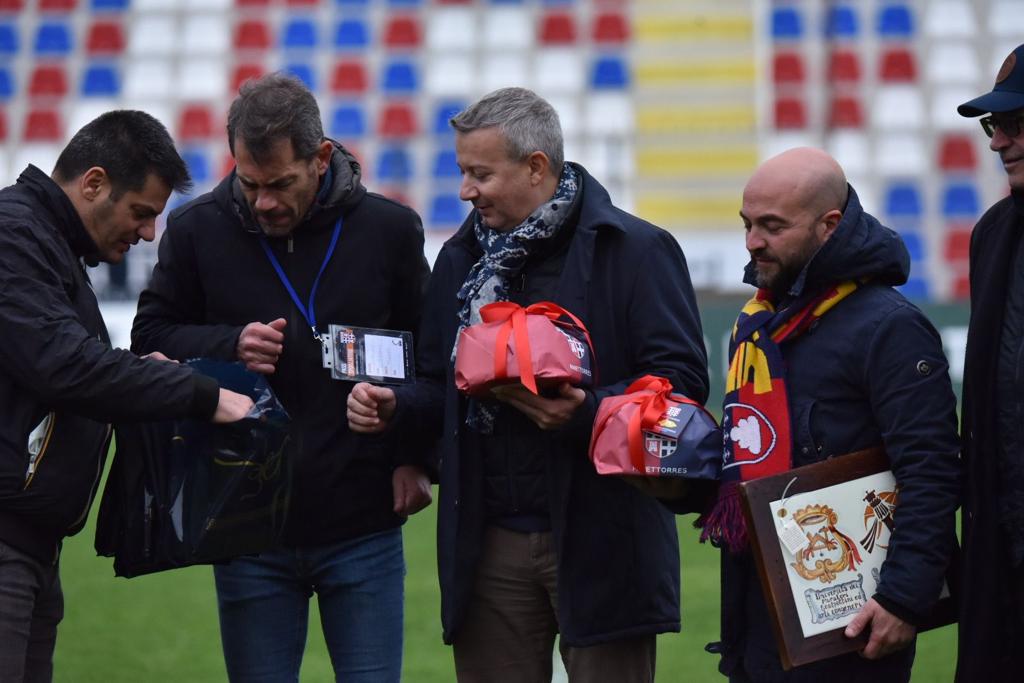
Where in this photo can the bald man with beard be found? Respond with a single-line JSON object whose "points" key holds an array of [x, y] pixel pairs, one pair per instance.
{"points": [[852, 365]]}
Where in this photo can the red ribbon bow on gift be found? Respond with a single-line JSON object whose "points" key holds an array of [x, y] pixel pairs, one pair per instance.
{"points": [[514, 318], [651, 407]]}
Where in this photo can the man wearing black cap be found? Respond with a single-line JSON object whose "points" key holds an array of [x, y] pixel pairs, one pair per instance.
{"points": [[992, 606]]}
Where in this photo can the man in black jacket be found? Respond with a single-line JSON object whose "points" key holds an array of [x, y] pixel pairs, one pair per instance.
{"points": [[60, 382], [531, 540], [991, 643], [285, 245]]}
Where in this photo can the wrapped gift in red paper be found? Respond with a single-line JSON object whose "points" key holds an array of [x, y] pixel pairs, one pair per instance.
{"points": [[540, 346], [651, 432]]}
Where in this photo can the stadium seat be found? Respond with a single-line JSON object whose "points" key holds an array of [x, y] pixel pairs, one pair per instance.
{"points": [[53, 39], [48, 80], [557, 28], [895, 20], [956, 153], [961, 287], [205, 35], [299, 34], [953, 63], [898, 65], [9, 43], [788, 67], [101, 80], [42, 125], [348, 121], [304, 72], [845, 112], [901, 153], [252, 34], [446, 211], [1006, 19], [201, 78], [608, 114], [155, 35], [948, 18], [198, 165], [49, 5], [508, 27], [109, 5], [843, 66], [958, 245], [394, 165], [915, 245], [195, 122], [397, 120], [406, 3], [512, 68], [148, 79], [144, 7], [898, 107], [609, 73], [351, 34], [400, 78], [352, 3], [787, 24], [960, 200], [6, 83], [850, 149], [303, 3], [610, 27], [3, 125], [841, 22], [243, 73], [945, 100], [903, 200], [349, 77], [403, 32], [252, 3], [105, 37], [790, 113], [916, 289], [444, 112], [208, 5], [558, 70], [452, 76], [11, 5], [452, 28], [445, 166]]}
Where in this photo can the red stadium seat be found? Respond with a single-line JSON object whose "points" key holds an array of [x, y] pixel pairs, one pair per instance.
{"points": [[303, 3], [956, 153], [898, 65], [48, 80], [958, 244], [349, 77], [243, 72], [252, 35], [195, 123], [790, 113], [252, 3], [611, 27], [397, 120], [845, 112], [402, 31], [42, 125], [557, 28], [105, 37], [57, 5], [962, 287], [11, 5], [788, 67], [843, 66], [3, 125]]}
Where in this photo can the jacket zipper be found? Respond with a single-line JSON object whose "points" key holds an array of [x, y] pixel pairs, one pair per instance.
{"points": [[95, 480]]}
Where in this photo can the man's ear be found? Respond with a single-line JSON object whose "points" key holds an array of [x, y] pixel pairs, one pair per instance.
{"points": [[540, 167], [323, 156], [92, 183], [830, 221]]}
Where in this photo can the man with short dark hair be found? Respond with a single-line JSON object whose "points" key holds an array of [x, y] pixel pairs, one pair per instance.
{"points": [[60, 382], [991, 642], [288, 243], [828, 359], [532, 542]]}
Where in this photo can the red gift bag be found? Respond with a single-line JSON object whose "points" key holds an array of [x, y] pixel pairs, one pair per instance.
{"points": [[534, 345], [649, 431]]}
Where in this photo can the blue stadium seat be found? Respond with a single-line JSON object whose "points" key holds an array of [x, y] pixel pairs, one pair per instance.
{"points": [[352, 3], [895, 21], [447, 210], [304, 72], [198, 165], [53, 38], [786, 23], [299, 34], [400, 77], [6, 84], [445, 165], [960, 200], [348, 121], [405, 3], [394, 165], [916, 289], [351, 33], [100, 80], [609, 73], [903, 200], [914, 244], [9, 43], [842, 22], [445, 111], [110, 5]]}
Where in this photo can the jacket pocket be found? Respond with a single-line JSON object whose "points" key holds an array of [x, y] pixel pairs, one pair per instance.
{"points": [[805, 449]]}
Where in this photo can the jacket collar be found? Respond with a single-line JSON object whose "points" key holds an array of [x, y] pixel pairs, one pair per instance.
{"points": [[65, 216]]}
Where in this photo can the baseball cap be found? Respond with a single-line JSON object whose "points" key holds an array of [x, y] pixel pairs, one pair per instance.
{"points": [[1008, 92]]}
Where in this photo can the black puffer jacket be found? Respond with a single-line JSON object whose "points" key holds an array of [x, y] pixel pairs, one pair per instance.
{"points": [[213, 278], [56, 364]]}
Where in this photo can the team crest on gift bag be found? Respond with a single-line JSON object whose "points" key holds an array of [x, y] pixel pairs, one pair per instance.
{"points": [[659, 446]]}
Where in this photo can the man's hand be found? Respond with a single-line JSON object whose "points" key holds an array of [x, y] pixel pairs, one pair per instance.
{"points": [[259, 346], [231, 407], [411, 489], [370, 408], [156, 355], [889, 633], [546, 413]]}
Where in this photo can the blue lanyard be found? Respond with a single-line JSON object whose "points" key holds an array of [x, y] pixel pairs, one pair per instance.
{"points": [[307, 312]]}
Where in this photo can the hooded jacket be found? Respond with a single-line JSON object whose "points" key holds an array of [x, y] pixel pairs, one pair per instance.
{"points": [[617, 549], [59, 379], [870, 372], [213, 278]]}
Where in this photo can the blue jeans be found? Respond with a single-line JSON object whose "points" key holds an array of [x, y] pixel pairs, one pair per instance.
{"points": [[264, 609]]}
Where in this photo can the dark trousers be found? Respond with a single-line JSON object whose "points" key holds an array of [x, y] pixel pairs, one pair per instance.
{"points": [[31, 606], [508, 635]]}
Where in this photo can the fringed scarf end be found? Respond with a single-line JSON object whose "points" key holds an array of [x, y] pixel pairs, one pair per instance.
{"points": [[724, 525]]}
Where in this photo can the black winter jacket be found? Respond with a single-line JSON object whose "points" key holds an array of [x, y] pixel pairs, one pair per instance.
{"points": [[618, 553], [56, 363], [213, 278], [869, 372]]}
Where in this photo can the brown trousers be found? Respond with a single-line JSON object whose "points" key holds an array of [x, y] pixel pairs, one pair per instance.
{"points": [[509, 631]]}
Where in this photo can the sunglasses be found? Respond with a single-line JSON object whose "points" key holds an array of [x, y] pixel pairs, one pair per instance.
{"points": [[1011, 126]]}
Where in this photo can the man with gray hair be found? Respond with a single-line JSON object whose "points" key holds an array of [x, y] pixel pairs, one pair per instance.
{"points": [[289, 242], [531, 541]]}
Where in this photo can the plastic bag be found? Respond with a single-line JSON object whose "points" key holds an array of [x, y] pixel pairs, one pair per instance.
{"points": [[185, 492]]}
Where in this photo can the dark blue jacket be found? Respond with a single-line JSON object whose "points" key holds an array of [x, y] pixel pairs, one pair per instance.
{"points": [[869, 372], [618, 556]]}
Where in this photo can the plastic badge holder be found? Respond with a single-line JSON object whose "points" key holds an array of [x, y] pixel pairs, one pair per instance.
{"points": [[366, 354]]}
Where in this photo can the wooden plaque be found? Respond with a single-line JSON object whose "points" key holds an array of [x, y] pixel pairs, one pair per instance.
{"points": [[773, 566]]}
